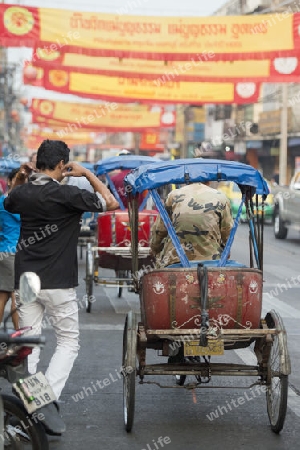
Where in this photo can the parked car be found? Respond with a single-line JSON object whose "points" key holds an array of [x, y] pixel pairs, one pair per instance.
{"points": [[287, 207], [232, 191]]}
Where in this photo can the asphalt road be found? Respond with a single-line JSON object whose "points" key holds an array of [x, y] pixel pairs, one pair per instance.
{"points": [[92, 403]]}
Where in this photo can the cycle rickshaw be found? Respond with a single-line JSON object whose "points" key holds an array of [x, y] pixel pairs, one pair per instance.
{"points": [[114, 235], [196, 310]]}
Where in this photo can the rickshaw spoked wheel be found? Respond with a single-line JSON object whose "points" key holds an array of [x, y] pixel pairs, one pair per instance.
{"points": [[89, 278], [129, 368], [277, 389]]}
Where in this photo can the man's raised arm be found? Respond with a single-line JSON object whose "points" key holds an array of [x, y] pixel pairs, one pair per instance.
{"points": [[78, 171]]}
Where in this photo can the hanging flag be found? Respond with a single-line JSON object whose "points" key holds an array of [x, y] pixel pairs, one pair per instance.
{"points": [[274, 70], [119, 89], [148, 37]]}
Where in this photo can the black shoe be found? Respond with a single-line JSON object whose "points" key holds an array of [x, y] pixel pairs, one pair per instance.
{"points": [[52, 421]]}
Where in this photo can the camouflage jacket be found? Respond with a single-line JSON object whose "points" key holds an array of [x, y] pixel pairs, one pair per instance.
{"points": [[202, 219]]}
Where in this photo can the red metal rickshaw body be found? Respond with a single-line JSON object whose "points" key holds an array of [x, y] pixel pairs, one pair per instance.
{"points": [[114, 231], [171, 298]]}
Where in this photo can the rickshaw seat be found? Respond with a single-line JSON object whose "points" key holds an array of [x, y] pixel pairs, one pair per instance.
{"points": [[209, 263]]}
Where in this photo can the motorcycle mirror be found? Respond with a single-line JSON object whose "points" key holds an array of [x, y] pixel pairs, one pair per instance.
{"points": [[30, 286]]}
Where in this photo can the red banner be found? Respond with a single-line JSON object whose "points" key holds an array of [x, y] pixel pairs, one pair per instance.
{"points": [[151, 141], [147, 37]]}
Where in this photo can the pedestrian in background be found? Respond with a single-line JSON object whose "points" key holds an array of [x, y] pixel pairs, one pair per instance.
{"points": [[9, 235]]}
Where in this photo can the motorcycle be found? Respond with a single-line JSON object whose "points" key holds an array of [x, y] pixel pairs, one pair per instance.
{"points": [[28, 417]]}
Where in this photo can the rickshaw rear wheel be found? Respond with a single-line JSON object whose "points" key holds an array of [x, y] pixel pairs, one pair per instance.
{"points": [[89, 281], [277, 389], [129, 368]]}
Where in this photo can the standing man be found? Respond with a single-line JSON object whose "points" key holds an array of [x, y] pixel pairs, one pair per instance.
{"points": [[202, 220], [50, 218]]}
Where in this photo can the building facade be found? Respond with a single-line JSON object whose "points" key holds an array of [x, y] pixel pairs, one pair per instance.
{"points": [[253, 132]]}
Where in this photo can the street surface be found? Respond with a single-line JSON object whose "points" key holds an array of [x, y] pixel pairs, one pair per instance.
{"points": [[92, 400]]}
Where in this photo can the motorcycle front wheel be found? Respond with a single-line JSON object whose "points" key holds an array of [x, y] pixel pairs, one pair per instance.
{"points": [[20, 430]]}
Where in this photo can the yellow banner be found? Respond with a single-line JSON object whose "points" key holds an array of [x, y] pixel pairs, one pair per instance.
{"points": [[168, 35], [147, 37], [34, 141], [60, 125], [151, 91], [167, 70], [105, 115], [86, 138]]}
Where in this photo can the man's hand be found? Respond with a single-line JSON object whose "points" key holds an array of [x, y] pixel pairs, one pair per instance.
{"points": [[73, 169], [22, 176]]}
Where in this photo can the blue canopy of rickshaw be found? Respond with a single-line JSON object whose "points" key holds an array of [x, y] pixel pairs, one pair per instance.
{"points": [[122, 162], [182, 171], [88, 165], [6, 165]]}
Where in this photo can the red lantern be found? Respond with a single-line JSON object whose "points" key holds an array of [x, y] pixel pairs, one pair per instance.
{"points": [[30, 73]]}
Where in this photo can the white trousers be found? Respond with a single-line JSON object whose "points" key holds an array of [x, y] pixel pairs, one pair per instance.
{"points": [[61, 308]]}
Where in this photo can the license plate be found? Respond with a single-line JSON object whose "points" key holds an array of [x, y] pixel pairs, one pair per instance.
{"points": [[34, 391], [192, 348]]}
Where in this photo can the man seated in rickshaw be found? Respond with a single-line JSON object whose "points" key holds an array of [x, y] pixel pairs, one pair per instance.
{"points": [[118, 180], [201, 217]]}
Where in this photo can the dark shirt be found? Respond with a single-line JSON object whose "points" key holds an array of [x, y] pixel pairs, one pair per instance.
{"points": [[50, 215]]}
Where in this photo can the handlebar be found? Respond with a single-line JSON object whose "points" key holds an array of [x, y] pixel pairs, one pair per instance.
{"points": [[29, 340]]}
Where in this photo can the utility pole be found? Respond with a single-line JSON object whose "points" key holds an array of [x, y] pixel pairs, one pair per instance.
{"points": [[283, 135], [137, 141]]}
